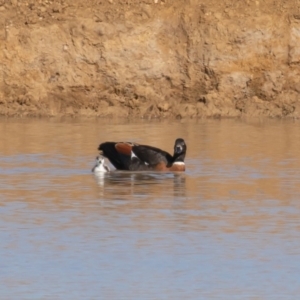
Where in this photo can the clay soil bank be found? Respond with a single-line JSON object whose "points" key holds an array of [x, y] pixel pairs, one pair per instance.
{"points": [[158, 58]]}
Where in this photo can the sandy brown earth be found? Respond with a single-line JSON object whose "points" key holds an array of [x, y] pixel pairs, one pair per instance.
{"points": [[151, 58]]}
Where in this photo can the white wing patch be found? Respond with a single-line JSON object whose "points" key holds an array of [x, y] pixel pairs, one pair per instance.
{"points": [[133, 155]]}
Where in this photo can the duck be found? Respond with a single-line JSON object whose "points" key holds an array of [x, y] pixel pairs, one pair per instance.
{"points": [[135, 157], [100, 166]]}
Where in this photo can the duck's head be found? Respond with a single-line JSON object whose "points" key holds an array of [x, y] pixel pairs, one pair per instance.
{"points": [[179, 149]]}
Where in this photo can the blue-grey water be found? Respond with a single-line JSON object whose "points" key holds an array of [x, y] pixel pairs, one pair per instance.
{"points": [[228, 228]]}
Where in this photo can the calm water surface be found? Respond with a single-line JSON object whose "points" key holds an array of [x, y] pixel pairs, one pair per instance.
{"points": [[229, 228]]}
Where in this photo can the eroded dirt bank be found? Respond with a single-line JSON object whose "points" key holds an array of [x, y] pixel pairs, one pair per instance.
{"points": [[150, 58]]}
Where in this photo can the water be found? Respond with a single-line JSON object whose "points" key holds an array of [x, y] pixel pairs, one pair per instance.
{"points": [[228, 228]]}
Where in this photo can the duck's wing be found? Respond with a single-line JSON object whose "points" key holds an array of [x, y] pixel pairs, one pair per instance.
{"points": [[151, 155], [118, 153]]}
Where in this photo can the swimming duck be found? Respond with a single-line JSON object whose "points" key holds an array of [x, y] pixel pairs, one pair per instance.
{"points": [[136, 157]]}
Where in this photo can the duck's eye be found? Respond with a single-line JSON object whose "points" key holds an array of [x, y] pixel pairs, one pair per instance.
{"points": [[178, 148]]}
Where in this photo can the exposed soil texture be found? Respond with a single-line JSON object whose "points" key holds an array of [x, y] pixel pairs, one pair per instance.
{"points": [[158, 58]]}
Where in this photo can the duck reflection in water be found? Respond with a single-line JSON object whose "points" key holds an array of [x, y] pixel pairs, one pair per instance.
{"points": [[123, 185]]}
